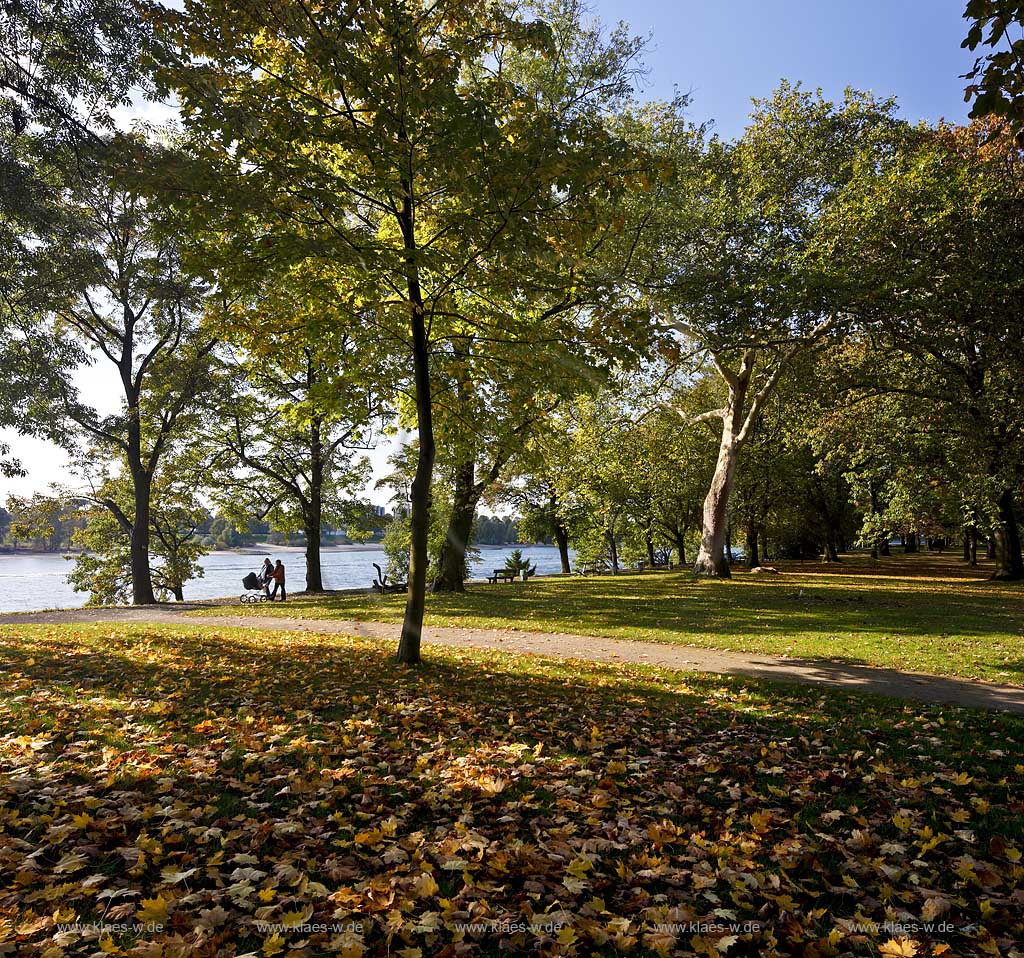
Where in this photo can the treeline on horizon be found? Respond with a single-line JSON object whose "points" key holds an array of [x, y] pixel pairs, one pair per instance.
{"points": [[23, 528]]}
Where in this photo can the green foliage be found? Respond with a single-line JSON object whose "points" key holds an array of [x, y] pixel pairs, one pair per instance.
{"points": [[48, 522], [103, 569], [997, 78], [396, 549], [931, 419]]}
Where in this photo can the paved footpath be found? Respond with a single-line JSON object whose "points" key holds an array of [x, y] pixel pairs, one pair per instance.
{"points": [[856, 678]]}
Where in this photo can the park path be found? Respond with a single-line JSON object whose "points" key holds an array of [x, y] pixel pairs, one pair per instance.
{"points": [[919, 686]]}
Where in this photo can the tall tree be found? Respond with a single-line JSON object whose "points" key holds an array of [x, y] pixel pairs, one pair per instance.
{"points": [[118, 296], [939, 227], [387, 143], [291, 413], [742, 272]]}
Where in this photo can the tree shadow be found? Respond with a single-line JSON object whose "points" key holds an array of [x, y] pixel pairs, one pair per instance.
{"points": [[250, 757]]}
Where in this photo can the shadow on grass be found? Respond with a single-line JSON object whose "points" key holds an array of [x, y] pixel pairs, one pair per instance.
{"points": [[250, 756], [911, 597]]}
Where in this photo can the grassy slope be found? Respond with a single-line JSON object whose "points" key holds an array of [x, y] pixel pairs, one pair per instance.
{"points": [[207, 779], [925, 613]]}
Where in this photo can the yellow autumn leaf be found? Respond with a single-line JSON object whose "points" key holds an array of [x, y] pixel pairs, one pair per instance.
{"points": [[292, 919], [760, 822], [425, 885], [566, 935], [152, 909], [934, 907], [273, 945], [903, 947], [579, 867]]}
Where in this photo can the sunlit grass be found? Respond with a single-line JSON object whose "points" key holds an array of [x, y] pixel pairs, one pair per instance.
{"points": [[923, 613]]}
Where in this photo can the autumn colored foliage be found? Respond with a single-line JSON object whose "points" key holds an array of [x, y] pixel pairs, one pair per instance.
{"points": [[169, 791]]}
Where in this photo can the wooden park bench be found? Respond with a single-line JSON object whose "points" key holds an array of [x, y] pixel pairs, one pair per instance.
{"points": [[506, 575]]}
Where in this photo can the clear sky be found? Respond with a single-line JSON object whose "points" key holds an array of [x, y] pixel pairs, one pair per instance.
{"points": [[723, 52]]}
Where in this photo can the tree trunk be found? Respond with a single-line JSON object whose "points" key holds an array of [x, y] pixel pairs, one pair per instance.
{"points": [[562, 541], [1009, 563], [680, 540], [650, 551], [711, 555], [613, 548], [420, 494], [314, 572], [142, 576], [910, 542], [753, 558], [711, 559], [831, 553], [970, 545], [312, 513], [451, 575]]}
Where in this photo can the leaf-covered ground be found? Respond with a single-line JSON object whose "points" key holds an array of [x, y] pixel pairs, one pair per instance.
{"points": [[169, 791], [926, 613]]}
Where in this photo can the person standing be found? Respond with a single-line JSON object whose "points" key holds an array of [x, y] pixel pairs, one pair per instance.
{"points": [[278, 575], [266, 574]]}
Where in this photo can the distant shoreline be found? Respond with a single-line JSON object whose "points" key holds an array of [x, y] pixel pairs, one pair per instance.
{"points": [[262, 548]]}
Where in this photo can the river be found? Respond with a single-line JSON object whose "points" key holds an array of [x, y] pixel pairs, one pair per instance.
{"points": [[30, 581]]}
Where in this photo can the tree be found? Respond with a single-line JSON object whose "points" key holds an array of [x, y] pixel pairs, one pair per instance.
{"points": [[64, 70], [117, 293], [947, 314], [386, 144], [52, 521], [743, 273], [533, 492], [105, 568], [292, 408]]}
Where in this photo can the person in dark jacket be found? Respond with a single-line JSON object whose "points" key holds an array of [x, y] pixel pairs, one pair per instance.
{"points": [[278, 576]]}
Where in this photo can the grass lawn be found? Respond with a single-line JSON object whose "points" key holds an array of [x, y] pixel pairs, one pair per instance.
{"points": [[926, 613], [175, 791]]}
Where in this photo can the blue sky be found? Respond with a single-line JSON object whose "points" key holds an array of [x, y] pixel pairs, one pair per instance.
{"points": [[726, 51]]}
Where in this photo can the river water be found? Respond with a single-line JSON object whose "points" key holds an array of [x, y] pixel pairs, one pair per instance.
{"points": [[38, 581]]}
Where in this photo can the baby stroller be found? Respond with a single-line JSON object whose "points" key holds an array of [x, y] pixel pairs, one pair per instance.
{"points": [[253, 584]]}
